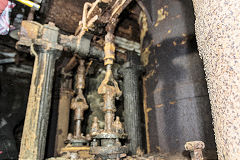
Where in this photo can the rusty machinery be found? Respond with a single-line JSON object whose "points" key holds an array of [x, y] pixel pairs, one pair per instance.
{"points": [[78, 144], [109, 146], [46, 44]]}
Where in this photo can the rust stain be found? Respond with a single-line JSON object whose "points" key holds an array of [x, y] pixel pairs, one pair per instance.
{"points": [[144, 26], [172, 102], [145, 54], [158, 148], [149, 109], [159, 105], [30, 29], [162, 14], [184, 35], [183, 42], [174, 43], [29, 139], [150, 74], [146, 114]]}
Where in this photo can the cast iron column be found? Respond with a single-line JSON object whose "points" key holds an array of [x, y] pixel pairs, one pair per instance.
{"points": [[218, 36], [46, 51], [131, 72]]}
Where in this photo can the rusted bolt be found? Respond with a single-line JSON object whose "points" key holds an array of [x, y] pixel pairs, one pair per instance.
{"points": [[195, 148]]}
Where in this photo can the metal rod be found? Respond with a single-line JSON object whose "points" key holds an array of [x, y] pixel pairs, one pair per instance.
{"points": [[63, 113]]}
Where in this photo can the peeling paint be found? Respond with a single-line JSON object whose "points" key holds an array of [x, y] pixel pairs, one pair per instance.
{"points": [[150, 74], [162, 14], [183, 41], [158, 148], [145, 54], [146, 114], [174, 43], [172, 102], [159, 105], [149, 109], [144, 26], [184, 35]]}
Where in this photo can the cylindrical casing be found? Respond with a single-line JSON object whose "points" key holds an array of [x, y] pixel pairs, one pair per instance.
{"points": [[218, 36], [132, 108], [38, 108]]}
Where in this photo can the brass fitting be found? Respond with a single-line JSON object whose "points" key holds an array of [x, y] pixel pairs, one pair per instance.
{"points": [[109, 51]]}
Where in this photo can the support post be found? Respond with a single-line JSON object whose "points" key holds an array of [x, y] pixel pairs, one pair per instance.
{"points": [[66, 94], [46, 51], [131, 73]]}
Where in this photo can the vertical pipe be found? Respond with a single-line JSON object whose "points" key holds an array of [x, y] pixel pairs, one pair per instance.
{"points": [[217, 28], [131, 75], [38, 108], [77, 118], [63, 113], [79, 103]]}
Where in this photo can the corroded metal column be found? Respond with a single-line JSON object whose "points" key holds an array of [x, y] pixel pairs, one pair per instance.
{"points": [[131, 72], [46, 51], [218, 36]]}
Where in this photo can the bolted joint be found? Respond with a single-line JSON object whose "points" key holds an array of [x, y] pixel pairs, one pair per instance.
{"points": [[28, 32], [74, 44], [109, 51], [42, 46], [49, 32], [44, 38], [195, 148]]}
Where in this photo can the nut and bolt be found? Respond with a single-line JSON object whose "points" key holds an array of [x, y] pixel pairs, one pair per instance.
{"points": [[195, 148]]}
